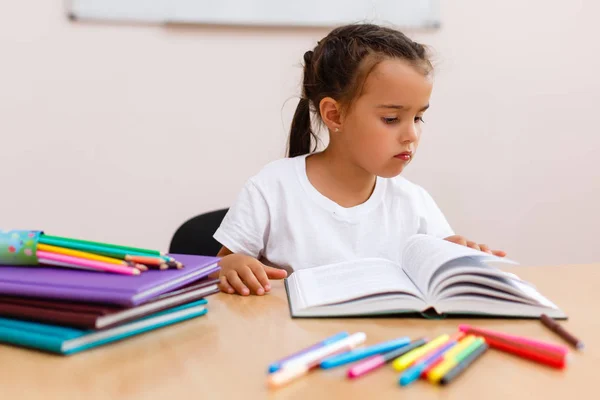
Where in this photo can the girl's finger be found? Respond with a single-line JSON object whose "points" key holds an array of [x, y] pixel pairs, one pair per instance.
{"points": [[485, 248], [225, 286], [250, 280], [473, 245], [259, 272], [499, 253], [457, 239], [275, 273], [235, 281]]}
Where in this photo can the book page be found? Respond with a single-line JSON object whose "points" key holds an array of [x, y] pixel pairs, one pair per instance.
{"points": [[424, 254], [482, 305], [463, 268], [350, 280]]}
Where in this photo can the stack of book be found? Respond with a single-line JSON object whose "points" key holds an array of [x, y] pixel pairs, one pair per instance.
{"points": [[67, 308]]}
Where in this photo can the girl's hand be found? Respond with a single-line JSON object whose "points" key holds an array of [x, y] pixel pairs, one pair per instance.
{"points": [[482, 247], [244, 275]]}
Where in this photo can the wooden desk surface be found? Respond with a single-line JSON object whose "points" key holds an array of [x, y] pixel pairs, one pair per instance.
{"points": [[224, 355]]}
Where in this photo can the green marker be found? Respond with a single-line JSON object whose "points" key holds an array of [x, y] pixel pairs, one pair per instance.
{"points": [[464, 359]]}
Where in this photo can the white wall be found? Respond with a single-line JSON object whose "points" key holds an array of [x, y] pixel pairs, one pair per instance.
{"points": [[120, 133]]}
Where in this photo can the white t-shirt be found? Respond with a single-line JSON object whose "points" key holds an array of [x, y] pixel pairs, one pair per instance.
{"points": [[282, 220]]}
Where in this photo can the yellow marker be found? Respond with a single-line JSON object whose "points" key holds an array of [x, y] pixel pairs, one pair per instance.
{"points": [[80, 254], [404, 361], [450, 360], [463, 344]]}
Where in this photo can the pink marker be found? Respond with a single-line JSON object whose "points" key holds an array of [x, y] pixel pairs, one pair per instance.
{"points": [[519, 339], [374, 362]]}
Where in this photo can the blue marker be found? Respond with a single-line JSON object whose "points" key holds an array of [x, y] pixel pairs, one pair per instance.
{"points": [[359, 354], [414, 372], [276, 366]]}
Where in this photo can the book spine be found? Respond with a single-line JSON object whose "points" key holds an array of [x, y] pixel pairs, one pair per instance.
{"points": [[56, 317], [135, 332], [63, 293], [32, 340]]}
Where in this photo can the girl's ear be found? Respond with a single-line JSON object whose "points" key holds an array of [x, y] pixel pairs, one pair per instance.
{"points": [[331, 114]]}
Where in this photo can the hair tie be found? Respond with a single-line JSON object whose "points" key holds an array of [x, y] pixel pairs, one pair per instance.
{"points": [[308, 57]]}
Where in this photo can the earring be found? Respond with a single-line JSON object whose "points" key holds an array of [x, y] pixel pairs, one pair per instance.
{"points": [[337, 129]]}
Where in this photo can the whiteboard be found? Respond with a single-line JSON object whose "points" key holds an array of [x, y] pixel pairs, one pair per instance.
{"points": [[309, 13]]}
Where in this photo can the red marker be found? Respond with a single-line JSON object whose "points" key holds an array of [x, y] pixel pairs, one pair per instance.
{"points": [[539, 354]]}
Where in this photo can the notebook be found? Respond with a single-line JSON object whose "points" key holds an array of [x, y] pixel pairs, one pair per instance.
{"points": [[100, 316], [62, 340], [102, 287], [436, 277]]}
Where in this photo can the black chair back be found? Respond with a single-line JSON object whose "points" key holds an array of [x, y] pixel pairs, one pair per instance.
{"points": [[195, 236]]}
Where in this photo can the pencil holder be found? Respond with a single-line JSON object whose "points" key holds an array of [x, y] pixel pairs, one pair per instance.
{"points": [[19, 247]]}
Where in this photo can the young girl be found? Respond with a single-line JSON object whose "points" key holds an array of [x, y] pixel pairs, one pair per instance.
{"points": [[369, 86]]}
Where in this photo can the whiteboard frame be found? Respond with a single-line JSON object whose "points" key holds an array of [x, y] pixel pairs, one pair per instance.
{"points": [[426, 13]]}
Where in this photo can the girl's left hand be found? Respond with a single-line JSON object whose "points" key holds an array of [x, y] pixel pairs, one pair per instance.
{"points": [[482, 247]]}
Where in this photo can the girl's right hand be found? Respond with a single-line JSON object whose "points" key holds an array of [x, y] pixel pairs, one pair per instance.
{"points": [[244, 275]]}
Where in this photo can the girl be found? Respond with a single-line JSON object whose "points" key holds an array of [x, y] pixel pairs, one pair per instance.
{"points": [[369, 86]]}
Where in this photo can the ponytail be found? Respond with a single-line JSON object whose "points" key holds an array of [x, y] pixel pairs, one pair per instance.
{"points": [[301, 133]]}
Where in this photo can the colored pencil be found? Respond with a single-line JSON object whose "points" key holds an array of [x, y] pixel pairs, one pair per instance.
{"points": [[105, 251], [145, 260], [175, 264], [149, 261], [141, 267], [128, 249], [90, 248], [79, 254], [82, 262], [53, 263]]}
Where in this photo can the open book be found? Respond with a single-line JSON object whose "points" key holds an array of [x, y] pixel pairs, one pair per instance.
{"points": [[435, 276]]}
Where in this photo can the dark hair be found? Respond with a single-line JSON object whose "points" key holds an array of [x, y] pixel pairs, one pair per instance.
{"points": [[338, 67]]}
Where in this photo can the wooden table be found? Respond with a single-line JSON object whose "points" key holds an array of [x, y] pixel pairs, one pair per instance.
{"points": [[224, 354]]}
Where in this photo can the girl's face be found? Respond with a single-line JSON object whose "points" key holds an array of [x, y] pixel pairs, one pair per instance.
{"points": [[382, 128]]}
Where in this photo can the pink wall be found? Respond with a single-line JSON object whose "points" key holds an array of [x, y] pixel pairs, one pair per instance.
{"points": [[116, 132]]}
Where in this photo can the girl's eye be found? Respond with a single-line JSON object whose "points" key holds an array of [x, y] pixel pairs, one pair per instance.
{"points": [[389, 120], [419, 119]]}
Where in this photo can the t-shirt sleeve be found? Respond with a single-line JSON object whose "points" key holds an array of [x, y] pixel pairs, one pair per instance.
{"points": [[245, 225], [431, 219]]}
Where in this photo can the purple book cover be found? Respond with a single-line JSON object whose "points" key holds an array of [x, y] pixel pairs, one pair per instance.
{"points": [[101, 287]]}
